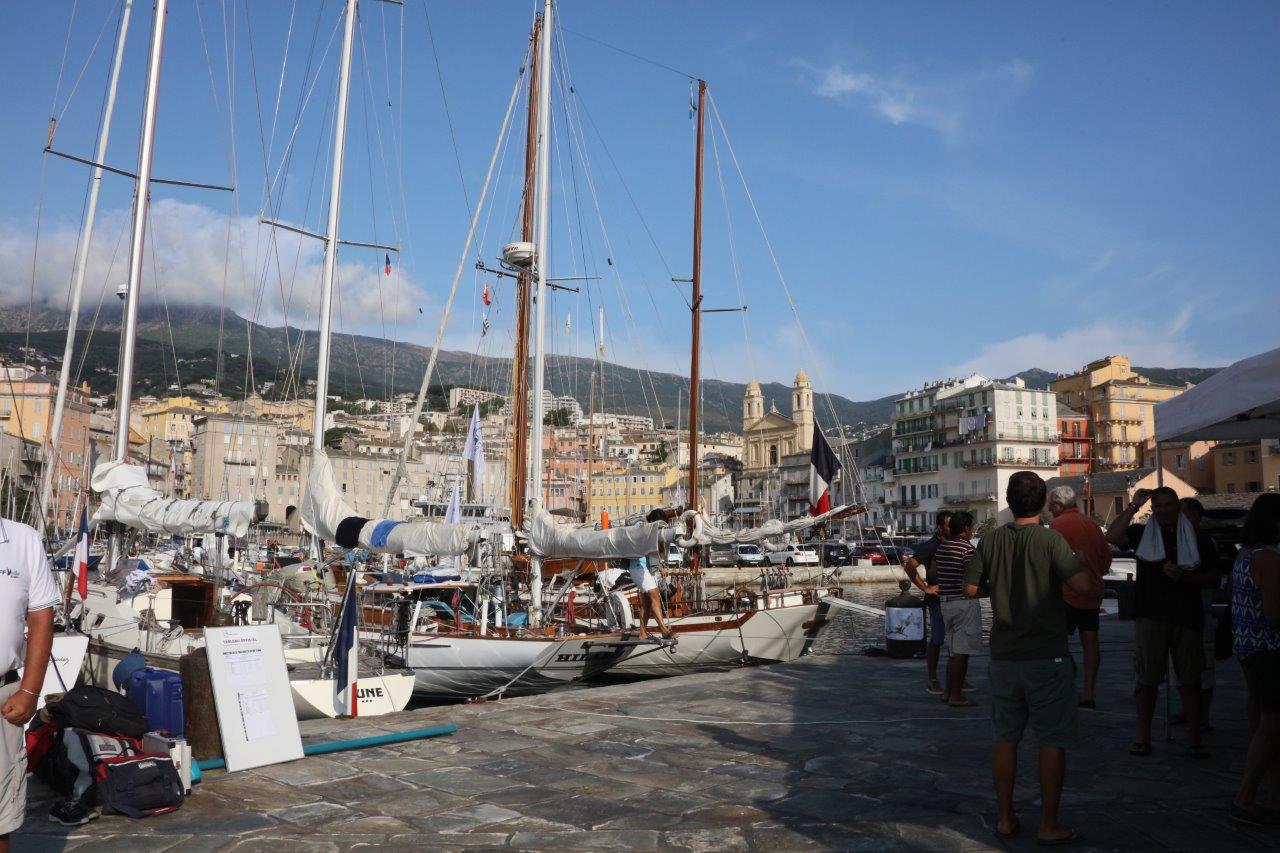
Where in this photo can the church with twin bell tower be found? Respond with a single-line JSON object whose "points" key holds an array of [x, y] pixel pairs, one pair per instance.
{"points": [[769, 436]]}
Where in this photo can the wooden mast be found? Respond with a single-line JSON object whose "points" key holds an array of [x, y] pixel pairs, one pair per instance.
{"points": [[696, 312], [520, 361]]}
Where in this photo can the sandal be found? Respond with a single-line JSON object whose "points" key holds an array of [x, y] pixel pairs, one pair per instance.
{"points": [[963, 703], [1070, 838], [1139, 748]]}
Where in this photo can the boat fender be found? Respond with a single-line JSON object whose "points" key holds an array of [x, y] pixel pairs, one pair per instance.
{"points": [[695, 538], [620, 615]]}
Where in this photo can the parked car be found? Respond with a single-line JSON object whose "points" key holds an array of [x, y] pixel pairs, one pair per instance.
{"points": [[675, 556], [794, 555], [895, 554], [835, 554], [750, 556], [866, 552], [722, 556]]}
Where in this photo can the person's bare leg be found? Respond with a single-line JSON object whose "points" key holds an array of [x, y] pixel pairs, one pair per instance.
{"points": [[1259, 760], [931, 655], [957, 666], [655, 606], [1144, 699], [1004, 772], [1191, 707], [4, 844], [1052, 771], [643, 607], [1092, 660]]}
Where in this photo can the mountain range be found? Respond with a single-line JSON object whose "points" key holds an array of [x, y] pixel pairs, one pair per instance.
{"points": [[181, 345]]}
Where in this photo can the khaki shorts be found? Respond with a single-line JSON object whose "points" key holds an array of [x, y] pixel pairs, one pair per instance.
{"points": [[1154, 643], [963, 618], [13, 769]]}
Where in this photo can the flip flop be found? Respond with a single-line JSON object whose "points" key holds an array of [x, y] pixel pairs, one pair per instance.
{"points": [[963, 703], [1012, 833], [1139, 748], [1070, 838]]}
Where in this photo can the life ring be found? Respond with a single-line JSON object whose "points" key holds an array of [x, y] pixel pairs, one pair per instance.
{"points": [[695, 538]]}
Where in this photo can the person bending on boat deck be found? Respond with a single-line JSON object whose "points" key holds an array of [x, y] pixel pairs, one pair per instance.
{"points": [[643, 576], [27, 603], [933, 604]]}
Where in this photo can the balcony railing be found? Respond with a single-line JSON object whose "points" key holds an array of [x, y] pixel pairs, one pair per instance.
{"points": [[985, 497], [904, 429], [979, 463]]}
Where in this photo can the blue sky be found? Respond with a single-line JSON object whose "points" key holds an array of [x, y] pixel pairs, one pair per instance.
{"points": [[946, 187]]}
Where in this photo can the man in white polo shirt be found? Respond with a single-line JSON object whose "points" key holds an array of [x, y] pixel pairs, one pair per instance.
{"points": [[27, 598]]}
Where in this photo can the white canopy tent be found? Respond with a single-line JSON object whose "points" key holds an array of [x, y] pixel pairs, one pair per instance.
{"points": [[1239, 402]]}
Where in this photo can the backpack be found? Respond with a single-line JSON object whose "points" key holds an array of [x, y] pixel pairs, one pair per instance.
{"points": [[66, 759], [138, 786], [97, 710]]}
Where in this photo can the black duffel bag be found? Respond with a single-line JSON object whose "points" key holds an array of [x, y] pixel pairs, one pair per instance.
{"points": [[98, 710], [138, 785]]}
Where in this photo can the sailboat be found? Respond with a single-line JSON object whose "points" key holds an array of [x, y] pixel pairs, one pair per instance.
{"points": [[163, 616]]}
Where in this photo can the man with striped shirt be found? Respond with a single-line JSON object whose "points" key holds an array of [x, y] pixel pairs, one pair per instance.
{"points": [[962, 616]]}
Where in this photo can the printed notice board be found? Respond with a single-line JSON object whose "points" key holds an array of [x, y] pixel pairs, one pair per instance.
{"points": [[252, 696]]}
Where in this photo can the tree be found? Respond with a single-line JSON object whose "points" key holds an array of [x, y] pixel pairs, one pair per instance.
{"points": [[556, 417], [333, 437], [985, 527]]}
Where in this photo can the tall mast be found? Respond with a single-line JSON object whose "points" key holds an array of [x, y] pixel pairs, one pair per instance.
{"points": [[82, 261], [696, 309], [141, 200], [542, 260], [520, 358], [331, 231]]}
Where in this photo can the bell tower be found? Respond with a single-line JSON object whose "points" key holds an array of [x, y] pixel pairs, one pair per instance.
{"points": [[752, 405], [802, 411]]}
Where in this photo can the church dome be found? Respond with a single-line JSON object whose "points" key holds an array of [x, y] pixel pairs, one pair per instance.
{"points": [[802, 378], [753, 387]]}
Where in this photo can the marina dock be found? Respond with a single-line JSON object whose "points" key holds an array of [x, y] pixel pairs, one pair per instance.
{"points": [[834, 751]]}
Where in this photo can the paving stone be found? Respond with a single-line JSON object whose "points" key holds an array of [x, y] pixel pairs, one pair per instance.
{"points": [[706, 840], [312, 814], [459, 781], [583, 811], [614, 839]]}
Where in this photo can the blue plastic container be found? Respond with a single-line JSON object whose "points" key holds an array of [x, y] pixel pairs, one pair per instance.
{"points": [[158, 694]]}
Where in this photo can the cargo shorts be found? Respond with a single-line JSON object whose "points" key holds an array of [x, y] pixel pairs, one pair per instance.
{"points": [[13, 769], [1041, 693], [1155, 642]]}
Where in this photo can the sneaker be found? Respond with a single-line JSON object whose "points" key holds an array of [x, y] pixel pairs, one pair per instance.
{"points": [[73, 813], [934, 687]]}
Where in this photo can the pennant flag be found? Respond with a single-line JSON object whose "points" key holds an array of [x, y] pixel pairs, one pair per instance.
{"points": [[693, 104], [453, 513], [486, 296], [473, 452], [484, 325], [386, 263], [346, 651], [823, 467], [82, 556]]}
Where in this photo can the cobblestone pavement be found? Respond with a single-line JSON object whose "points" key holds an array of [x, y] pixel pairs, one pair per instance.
{"points": [[834, 751]]}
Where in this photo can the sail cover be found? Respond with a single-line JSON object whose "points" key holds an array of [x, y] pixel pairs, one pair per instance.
{"points": [[128, 498], [706, 533], [326, 515], [549, 539]]}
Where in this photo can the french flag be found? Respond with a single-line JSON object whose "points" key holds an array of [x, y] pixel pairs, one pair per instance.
{"points": [[386, 263], [82, 556], [346, 651], [823, 467]]}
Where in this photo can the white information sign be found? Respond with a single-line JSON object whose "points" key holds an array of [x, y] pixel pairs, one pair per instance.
{"points": [[63, 671], [252, 696]]}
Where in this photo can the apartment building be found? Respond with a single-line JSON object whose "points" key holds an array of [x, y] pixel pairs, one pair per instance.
{"points": [[1246, 466], [470, 397], [26, 412], [233, 458], [957, 442], [1120, 406], [629, 490], [1075, 452]]}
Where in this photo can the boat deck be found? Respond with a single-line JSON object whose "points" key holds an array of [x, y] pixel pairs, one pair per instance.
{"points": [[829, 752]]}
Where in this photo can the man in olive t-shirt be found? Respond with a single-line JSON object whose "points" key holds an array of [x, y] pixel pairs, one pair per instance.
{"points": [[1022, 567]]}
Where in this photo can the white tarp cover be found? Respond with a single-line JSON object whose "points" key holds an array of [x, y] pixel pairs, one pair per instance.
{"points": [[549, 539], [1238, 402], [707, 533], [323, 509], [128, 498]]}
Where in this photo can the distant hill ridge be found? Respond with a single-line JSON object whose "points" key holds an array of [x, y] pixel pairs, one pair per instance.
{"points": [[363, 365]]}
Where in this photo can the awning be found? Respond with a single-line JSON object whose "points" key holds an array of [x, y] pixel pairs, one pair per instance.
{"points": [[1239, 402]]}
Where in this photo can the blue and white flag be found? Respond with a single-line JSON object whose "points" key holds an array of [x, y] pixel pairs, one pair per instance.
{"points": [[346, 651], [473, 452]]}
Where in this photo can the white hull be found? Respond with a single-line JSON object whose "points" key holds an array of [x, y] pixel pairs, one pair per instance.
{"points": [[388, 693], [723, 641], [449, 667]]}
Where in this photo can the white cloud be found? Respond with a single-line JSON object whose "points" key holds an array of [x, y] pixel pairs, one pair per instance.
{"points": [[942, 104], [1145, 343], [196, 256]]}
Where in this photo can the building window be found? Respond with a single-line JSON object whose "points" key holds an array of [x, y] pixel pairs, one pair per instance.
{"points": [[1229, 458], [1253, 486]]}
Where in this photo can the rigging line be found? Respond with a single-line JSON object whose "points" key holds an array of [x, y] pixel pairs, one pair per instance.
{"points": [[284, 64], [164, 299], [111, 12], [62, 65], [453, 288], [773, 257], [733, 256], [624, 302], [448, 116], [626, 52], [373, 205]]}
